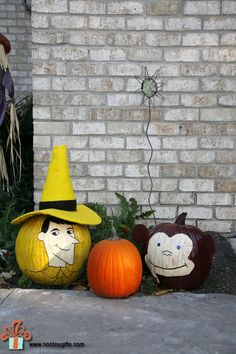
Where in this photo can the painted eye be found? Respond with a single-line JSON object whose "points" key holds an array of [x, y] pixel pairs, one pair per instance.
{"points": [[70, 232], [178, 247], [55, 233], [158, 243]]}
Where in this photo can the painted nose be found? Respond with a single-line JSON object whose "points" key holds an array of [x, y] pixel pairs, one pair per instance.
{"points": [[167, 253]]}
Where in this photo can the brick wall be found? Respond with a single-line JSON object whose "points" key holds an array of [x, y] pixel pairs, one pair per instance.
{"points": [[15, 23], [85, 56]]}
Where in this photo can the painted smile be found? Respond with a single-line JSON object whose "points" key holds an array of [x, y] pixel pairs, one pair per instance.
{"points": [[63, 249], [184, 265]]}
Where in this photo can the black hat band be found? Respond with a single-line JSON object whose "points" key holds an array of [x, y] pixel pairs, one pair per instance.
{"points": [[66, 205]]}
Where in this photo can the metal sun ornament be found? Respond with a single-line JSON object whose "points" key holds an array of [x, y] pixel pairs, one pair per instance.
{"points": [[150, 88]]}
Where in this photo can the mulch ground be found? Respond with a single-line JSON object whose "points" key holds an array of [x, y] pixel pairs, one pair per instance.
{"points": [[222, 278]]}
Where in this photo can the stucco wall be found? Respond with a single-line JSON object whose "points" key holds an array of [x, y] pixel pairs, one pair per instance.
{"points": [[85, 57], [15, 23]]}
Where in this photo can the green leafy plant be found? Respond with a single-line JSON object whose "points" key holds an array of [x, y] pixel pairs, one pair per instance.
{"points": [[24, 282], [123, 222], [130, 212]]}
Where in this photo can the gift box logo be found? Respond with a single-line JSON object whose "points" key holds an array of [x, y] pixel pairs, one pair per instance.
{"points": [[16, 334]]}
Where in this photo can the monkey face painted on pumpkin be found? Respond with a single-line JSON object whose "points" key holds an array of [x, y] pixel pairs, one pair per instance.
{"points": [[179, 256], [168, 256]]}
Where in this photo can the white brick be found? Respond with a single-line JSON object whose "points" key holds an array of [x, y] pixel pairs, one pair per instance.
{"points": [[107, 23], [167, 212], [218, 114], [227, 100], [41, 84], [178, 170], [228, 69], [124, 184], [217, 143], [52, 128], [68, 84], [218, 23], [70, 113], [41, 113], [145, 54], [142, 23], [229, 7], [200, 39], [202, 7], [40, 53], [42, 141], [87, 7], [213, 199], [118, 99], [196, 212], [161, 184], [125, 8], [69, 53], [102, 170], [198, 69], [226, 213], [87, 184], [181, 85], [52, 6], [125, 39], [213, 225], [106, 84], [87, 38], [197, 157], [40, 21], [180, 23], [164, 7], [107, 142], [218, 84], [179, 143], [124, 156], [124, 128], [104, 197], [87, 156], [220, 54], [72, 142], [199, 100], [228, 38], [87, 128], [124, 69], [163, 128], [182, 54], [161, 157], [163, 39], [84, 99], [176, 198], [196, 185], [141, 142], [47, 68], [107, 54], [181, 114], [140, 171], [85, 69], [69, 22]]}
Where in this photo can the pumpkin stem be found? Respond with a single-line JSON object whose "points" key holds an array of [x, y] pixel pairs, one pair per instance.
{"points": [[114, 236], [181, 219]]}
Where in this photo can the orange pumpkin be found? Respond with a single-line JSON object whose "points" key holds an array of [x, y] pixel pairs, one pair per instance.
{"points": [[114, 268]]}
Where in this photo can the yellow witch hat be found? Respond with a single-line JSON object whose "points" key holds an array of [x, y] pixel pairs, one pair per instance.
{"points": [[58, 198]]}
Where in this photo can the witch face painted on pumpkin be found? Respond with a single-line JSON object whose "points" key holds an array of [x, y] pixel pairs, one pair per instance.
{"points": [[54, 242]]}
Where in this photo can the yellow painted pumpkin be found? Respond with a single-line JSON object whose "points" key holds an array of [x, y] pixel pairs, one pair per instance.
{"points": [[36, 255]]}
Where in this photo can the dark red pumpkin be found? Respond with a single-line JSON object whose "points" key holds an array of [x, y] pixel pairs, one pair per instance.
{"points": [[179, 256]]}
